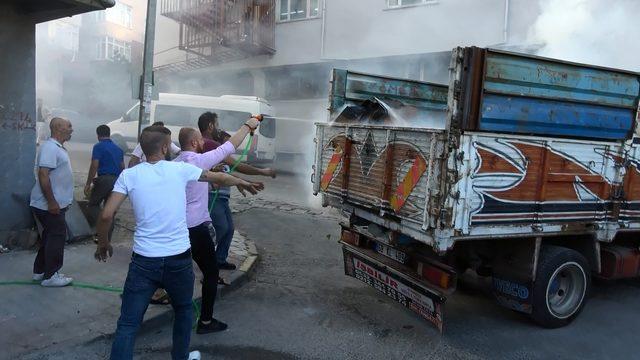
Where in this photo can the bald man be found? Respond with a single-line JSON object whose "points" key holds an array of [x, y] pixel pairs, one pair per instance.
{"points": [[50, 197], [198, 220]]}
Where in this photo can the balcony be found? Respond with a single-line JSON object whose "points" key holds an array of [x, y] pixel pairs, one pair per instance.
{"points": [[218, 31]]}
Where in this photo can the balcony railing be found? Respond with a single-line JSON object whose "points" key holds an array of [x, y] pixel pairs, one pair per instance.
{"points": [[223, 30]]}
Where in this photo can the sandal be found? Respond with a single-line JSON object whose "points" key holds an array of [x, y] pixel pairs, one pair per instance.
{"points": [[221, 281]]}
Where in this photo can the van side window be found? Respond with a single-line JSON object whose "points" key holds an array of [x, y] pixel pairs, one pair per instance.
{"points": [[231, 120], [172, 115]]}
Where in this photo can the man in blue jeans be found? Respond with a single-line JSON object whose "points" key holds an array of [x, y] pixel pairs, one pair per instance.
{"points": [[161, 248], [219, 199]]}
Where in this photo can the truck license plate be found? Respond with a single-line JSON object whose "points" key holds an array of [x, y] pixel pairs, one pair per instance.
{"points": [[410, 295], [392, 253]]}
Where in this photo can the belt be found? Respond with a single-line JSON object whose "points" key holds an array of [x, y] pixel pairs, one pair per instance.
{"points": [[184, 255]]}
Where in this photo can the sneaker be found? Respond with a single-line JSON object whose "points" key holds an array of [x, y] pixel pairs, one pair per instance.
{"points": [[57, 280], [213, 326], [226, 266], [40, 277], [194, 355]]}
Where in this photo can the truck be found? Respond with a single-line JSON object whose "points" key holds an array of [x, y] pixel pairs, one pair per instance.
{"points": [[523, 169]]}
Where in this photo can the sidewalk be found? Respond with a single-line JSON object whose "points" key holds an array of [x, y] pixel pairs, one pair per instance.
{"points": [[33, 317]]}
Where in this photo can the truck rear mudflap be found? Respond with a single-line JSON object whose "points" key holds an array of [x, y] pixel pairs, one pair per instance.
{"points": [[391, 279]]}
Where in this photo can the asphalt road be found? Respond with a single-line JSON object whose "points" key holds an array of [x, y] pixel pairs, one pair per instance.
{"points": [[300, 305]]}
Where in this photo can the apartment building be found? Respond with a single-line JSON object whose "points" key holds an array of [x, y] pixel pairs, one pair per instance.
{"points": [[74, 54], [284, 50]]}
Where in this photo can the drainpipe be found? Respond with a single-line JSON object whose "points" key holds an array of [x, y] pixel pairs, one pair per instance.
{"points": [[505, 29], [323, 30]]}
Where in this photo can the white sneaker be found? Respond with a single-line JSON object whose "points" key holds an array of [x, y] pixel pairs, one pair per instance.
{"points": [[57, 280], [40, 276], [194, 355]]}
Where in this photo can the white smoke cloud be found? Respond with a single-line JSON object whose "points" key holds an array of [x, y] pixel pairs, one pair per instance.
{"points": [[600, 32]]}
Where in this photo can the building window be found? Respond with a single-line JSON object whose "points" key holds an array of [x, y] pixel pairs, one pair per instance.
{"points": [[63, 34], [120, 14], [298, 9], [109, 48], [402, 3]]}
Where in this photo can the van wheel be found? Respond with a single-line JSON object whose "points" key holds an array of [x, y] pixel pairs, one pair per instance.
{"points": [[119, 140], [561, 287]]}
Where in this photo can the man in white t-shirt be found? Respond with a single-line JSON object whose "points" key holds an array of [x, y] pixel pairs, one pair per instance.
{"points": [[161, 250], [160, 297]]}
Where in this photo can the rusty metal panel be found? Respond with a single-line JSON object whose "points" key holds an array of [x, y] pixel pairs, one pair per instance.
{"points": [[531, 95], [423, 101], [471, 86], [529, 76], [412, 174]]}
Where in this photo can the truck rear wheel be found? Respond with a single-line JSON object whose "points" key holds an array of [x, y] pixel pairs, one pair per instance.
{"points": [[561, 286]]}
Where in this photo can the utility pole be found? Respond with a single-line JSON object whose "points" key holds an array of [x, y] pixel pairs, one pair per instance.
{"points": [[146, 80]]}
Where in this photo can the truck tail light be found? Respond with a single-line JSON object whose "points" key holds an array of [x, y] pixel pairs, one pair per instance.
{"points": [[435, 275]]}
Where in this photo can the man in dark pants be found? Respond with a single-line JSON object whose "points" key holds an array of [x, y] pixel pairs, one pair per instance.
{"points": [[50, 197], [107, 160], [220, 211], [198, 220], [161, 248]]}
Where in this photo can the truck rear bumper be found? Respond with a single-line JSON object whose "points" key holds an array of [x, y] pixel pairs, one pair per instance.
{"points": [[387, 277]]}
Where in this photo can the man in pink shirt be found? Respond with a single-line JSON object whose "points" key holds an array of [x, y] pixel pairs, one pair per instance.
{"points": [[198, 219]]}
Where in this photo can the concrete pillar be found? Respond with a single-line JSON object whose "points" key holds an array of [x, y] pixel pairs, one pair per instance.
{"points": [[17, 119]]}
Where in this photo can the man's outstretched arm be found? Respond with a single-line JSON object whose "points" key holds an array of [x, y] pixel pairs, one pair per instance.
{"points": [[224, 179], [105, 220], [250, 170]]}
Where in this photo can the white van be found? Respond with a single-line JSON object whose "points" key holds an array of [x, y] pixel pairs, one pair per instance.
{"points": [[181, 110]]}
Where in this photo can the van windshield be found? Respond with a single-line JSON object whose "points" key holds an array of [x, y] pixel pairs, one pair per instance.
{"points": [[181, 116]]}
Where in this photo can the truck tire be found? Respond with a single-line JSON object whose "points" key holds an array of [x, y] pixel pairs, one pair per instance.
{"points": [[119, 140], [562, 284]]}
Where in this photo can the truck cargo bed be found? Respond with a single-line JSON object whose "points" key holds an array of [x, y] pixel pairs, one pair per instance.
{"points": [[516, 146]]}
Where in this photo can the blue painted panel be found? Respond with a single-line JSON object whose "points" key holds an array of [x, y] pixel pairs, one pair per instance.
{"points": [[554, 118], [518, 75]]}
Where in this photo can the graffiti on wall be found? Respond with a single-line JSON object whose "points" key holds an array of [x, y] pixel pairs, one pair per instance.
{"points": [[12, 119]]}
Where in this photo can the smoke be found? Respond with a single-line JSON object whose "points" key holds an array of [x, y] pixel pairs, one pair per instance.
{"points": [[85, 73], [598, 32]]}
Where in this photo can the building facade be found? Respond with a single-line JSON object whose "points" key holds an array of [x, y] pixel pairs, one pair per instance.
{"points": [[402, 38], [86, 63]]}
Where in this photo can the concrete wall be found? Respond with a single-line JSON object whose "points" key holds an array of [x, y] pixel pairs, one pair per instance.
{"points": [[17, 118]]}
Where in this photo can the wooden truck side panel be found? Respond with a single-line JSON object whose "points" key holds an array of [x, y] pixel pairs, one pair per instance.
{"points": [[518, 184]]}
